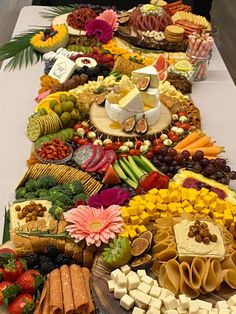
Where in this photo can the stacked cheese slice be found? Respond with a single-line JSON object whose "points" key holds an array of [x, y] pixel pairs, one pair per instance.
{"points": [[140, 292]]}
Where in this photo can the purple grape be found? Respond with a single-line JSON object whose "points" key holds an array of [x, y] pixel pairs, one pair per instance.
{"points": [[227, 169], [170, 175], [185, 154], [220, 163], [164, 168], [168, 159], [179, 158], [233, 175], [164, 151], [204, 162], [172, 169], [172, 152], [197, 168], [219, 174], [224, 180], [199, 155], [209, 170]]}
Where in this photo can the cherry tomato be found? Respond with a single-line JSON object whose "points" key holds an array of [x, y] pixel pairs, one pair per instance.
{"points": [[87, 130], [177, 123], [82, 141], [158, 147], [173, 137], [185, 126], [134, 152], [137, 144], [118, 143], [122, 155], [75, 138], [110, 146], [77, 125], [149, 155], [181, 113], [157, 141]]}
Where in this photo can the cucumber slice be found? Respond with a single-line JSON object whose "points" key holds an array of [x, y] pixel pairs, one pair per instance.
{"points": [[142, 164], [136, 170], [127, 170], [119, 171], [150, 164], [131, 183]]}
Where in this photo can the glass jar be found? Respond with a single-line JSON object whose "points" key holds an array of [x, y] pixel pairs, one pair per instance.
{"points": [[202, 64]]}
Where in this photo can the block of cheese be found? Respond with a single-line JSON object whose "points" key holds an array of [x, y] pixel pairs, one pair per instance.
{"points": [[62, 69], [146, 71], [150, 97], [204, 305], [127, 302], [132, 101], [152, 310], [221, 305], [136, 310]]}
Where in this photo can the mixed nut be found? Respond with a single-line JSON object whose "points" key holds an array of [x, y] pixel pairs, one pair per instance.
{"points": [[30, 212], [159, 36], [200, 231]]}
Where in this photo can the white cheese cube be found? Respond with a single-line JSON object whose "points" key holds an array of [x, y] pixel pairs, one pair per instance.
{"points": [[140, 305], [132, 293], [121, 280], [214, 311], [170, 302], [148, 280], [232, 300], [171, 312], [145, 288], [201, 311], [155, 283], [114, 274], [155, 303], [224, 311], [119, 292], [152, 310], [193, 307], [221, 305], [155, 291], [142, 297], [111, 285], [165, 293], [183, 301], [180, 310], [136, 310], [125, 269], [132, 273], [132, 282], [127, 302], [204, 305], [141, 273]]}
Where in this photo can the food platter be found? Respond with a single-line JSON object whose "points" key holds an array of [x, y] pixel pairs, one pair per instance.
{"points": [[133, 216]]}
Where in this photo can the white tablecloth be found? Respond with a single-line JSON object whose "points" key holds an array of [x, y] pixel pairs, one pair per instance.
{"points": [[215, 98]]}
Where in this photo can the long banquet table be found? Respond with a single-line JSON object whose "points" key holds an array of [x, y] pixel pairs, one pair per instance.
{"points": [[215, 98]]}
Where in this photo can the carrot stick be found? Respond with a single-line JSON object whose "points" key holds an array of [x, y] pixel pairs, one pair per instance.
{"points": [[201, 142], [213, 150], [189, 139]]}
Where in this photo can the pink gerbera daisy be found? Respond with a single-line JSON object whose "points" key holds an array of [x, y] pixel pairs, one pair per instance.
{"points": [[99, 28], [94, 225], [110, 16]]}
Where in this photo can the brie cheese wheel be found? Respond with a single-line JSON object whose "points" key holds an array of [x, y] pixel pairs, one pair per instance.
{"points": [[118, 114], [150, 97], [146, 71]]}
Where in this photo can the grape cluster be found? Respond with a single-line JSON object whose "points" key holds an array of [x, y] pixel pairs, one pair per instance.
{"points": [[170, 162], [94, 72]]}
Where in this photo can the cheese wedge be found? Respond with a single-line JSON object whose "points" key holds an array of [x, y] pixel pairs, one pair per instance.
{"points": [[146, 71], [132, 101], [150, 98]]}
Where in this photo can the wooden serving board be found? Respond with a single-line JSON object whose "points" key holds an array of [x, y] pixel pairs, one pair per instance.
{"points": [[102, 122], [104, 299]]}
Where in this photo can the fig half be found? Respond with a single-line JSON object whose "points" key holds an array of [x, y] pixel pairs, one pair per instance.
{"points": [[149, 236], [142, 262], [139, 246]]}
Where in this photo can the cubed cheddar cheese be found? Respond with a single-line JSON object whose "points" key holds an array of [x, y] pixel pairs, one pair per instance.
{"points": [[125, 216], [133, 234], [205, 211], [175, 196], [173, 187], [185, 203], [150, 198], [173, 207], [133, 203], [134, 219], [153, 191], [162, 207], [217, 215], [141, 207], [208, 199], [137, 198], [199, 206], [124, 234], [203, 192], [145, 217], [141, 229], [132, 210], [159, 200], [189, 209], [184, 194], [228, 219], [213, 206], [150, 208], [164, 195]]}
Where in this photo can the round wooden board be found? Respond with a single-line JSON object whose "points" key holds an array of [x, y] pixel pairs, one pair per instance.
{"points": [[101, 121]]}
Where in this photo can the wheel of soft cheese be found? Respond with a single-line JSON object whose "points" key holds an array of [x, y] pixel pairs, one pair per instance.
{"points": [[118, 114]]}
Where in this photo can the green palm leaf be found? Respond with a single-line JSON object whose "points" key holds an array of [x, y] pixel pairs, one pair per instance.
{"points": [[19, 51], [56, 11]]}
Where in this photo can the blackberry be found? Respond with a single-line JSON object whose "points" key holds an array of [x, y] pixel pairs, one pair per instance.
{"points": [[32, 260], [46, 267], [44, 259], [51, 251], [63, 259]]}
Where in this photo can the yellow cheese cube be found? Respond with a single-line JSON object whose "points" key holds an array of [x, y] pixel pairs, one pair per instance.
{"points": [[173, 207], [145, 217], [132, 211], [150, 198], [153, 191], [185, 203], [180, 210], [213, 206], [219, 205], [161, 207], [135, 227], [141, 229], [213, 195], [189, 209], [128, 228], [234, 210], [124, 234], [199, 206], [184, 194], [125, 215], [229, 205], [143, 202], [132, 234], [134, 219], [228, 219], [207, 200], [150, 208], [164, 195], [205, 211], [204, 192], [163, 215], [217, 215], [159, 200], [133, 203], [141, 208], [175, 196], [157, 215], [137, 198], [173, 186]]}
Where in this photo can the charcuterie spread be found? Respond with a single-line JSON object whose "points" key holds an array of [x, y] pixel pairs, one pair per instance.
{"points": [[126, 204]]}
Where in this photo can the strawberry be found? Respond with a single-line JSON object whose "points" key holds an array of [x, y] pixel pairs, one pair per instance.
{"points": [[6, 255], [30, 281], [23, 304], [10, 272], [21, 266], [8, 291]]}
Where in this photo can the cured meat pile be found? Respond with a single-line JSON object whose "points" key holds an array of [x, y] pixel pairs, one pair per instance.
{"points": [[149, 22], [79, 18]]}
